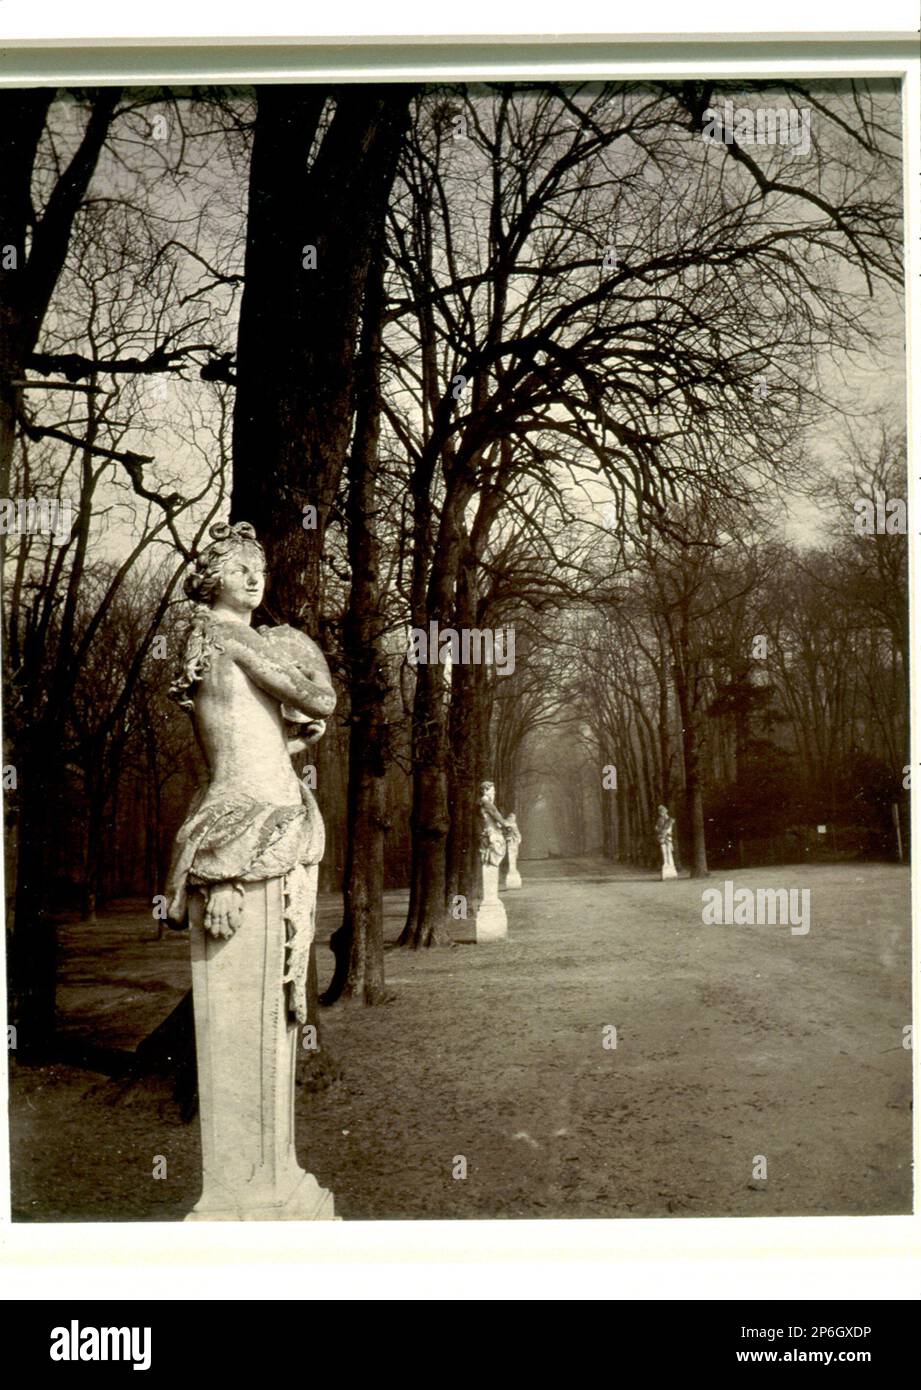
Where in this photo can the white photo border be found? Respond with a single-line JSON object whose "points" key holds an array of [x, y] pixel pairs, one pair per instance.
{"points": [[724, 1258]]}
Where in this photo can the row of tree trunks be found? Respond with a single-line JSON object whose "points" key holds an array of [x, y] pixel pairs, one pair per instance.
{"points": [[431, 819], [451, 737], [26, 295], [468, 768]]}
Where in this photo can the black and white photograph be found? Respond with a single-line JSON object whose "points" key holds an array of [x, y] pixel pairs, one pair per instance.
{"points": [[455, 627]]}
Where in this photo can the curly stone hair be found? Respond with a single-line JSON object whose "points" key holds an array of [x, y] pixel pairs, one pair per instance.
{"points": [[202, 586], [203, 583]]}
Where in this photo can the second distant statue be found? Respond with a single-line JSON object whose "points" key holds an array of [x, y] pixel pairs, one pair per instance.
{"points": [[491, 921], [665, 831], [513, 841]]}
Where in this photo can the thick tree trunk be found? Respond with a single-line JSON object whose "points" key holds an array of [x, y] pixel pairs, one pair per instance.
{"points": [[429, 820], [27, 287], [306, 263], [665, 753], [469, 740], [281, 462], [308, 234], [469, 750], [358, 944], [468, 767], [22, 120], [693, 787]]}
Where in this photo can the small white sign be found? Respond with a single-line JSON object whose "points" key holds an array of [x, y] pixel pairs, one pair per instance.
{"points": [[821, 829]]}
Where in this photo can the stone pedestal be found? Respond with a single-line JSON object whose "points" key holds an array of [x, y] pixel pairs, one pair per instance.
{"points": [[668, 861], [247, 1048], [513, 877], [491, 921]]}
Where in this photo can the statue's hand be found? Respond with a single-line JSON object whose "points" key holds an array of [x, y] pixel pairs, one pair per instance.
{"points": [[305, 734], [223, 910], [312, 731]]}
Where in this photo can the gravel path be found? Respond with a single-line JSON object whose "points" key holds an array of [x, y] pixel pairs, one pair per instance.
{"points": [[732, 1042]]}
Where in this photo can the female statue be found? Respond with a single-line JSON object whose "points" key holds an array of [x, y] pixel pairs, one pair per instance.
{"points": [[491, 922], [513, 844], [244, 875], [665, 829], [494, 828]]}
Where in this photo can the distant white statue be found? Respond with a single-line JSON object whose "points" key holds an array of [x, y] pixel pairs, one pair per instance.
{"points": [[513, 842], [491, 921], [665, 830]]}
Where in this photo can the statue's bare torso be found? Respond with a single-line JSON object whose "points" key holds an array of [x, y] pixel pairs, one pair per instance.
{"points": [[248, 683], [241, 734]]}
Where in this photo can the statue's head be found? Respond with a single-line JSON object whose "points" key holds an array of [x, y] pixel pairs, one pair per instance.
{"points": [[488, 789], [231, 569], [663, 810]]}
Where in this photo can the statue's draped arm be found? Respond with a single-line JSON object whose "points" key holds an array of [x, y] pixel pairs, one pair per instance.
{"points": [[270, 664]]}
